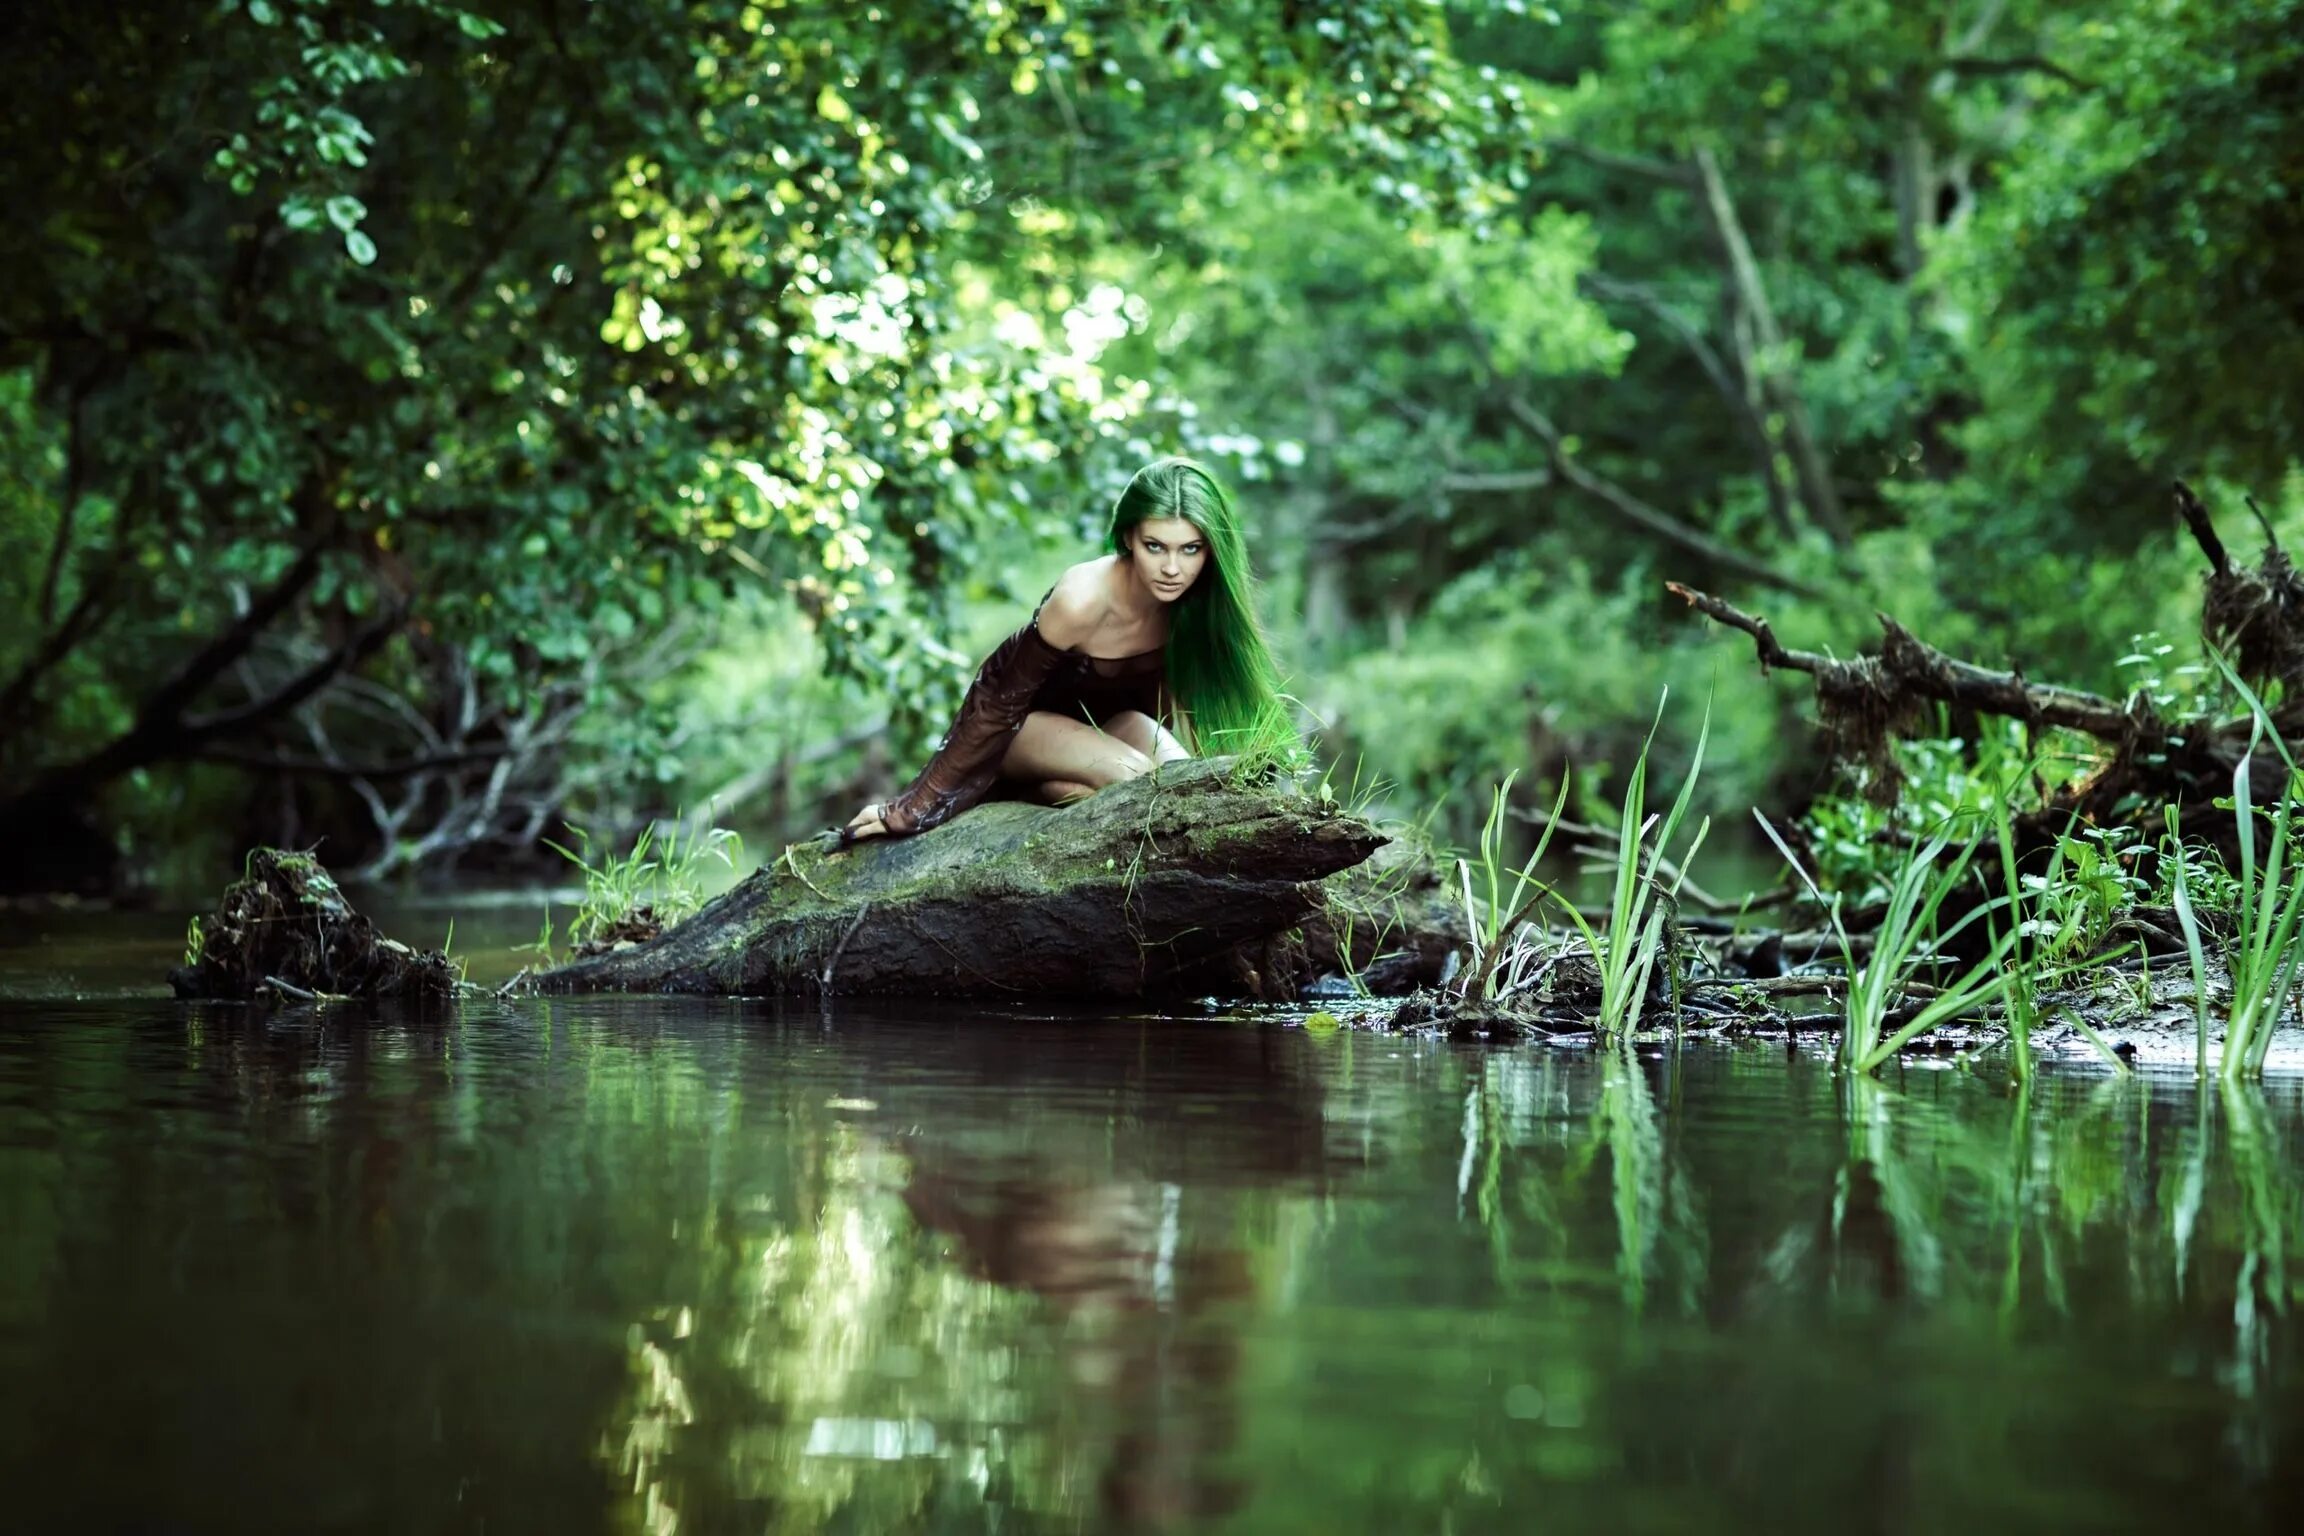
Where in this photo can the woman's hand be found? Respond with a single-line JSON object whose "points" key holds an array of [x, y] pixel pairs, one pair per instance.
{"points": [[867, 823]]}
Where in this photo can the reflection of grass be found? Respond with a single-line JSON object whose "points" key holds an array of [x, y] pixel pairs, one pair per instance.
{"points": [[1879, 1206], [2266, 1218], [1626, 1122], [1655, 1210], [2268, 1207]]}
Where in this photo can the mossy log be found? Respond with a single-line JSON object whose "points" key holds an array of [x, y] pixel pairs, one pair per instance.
{"points": [[1149, 888]]}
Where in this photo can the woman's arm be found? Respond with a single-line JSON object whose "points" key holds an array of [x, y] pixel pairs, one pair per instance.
{"points": [[967, 765]]}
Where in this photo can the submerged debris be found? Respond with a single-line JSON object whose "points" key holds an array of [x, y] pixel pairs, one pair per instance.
{"points": [[1499, 1021], [286, 929]]}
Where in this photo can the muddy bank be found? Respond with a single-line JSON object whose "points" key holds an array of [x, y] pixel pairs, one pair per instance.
{"points": [[2144, 1011]]}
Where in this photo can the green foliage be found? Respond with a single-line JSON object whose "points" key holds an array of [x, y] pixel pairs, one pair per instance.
{"points": [[1910, 936], [1637, 937], [2146, 224], [503, 352], [1527, 667], [1861, 842], [2264, 962], [577, 357]]}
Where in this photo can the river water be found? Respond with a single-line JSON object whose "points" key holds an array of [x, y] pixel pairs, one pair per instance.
{"points": [[654, 1266]]}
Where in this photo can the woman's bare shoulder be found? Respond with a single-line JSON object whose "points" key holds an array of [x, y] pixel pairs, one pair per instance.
{"points": [[1079, 605]]}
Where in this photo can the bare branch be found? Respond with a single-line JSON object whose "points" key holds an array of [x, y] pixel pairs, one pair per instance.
{"points": [[513, 214], [168, 702], [1628, 506], [1980, 30], [67, 501], [1654, 519], [87, 613], [1640, 166], [1919, 669], [337, 768], [1814, 475], [2203, 529], [2025, 64], [1501, 480], [357, 647], [1749, 424]]}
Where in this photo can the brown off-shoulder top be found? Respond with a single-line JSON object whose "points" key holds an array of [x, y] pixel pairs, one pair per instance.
{"points": [[1024, 673]]}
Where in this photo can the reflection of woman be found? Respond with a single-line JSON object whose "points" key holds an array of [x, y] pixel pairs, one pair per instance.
{"points": [[1150, 1331], [1139, 657]]}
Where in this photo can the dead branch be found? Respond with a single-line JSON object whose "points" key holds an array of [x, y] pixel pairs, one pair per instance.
{"points": [[1909, 668], [1627, 506]]}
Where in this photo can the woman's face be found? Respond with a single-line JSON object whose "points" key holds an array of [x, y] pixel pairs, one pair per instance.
{"points": [[1168, 555]]}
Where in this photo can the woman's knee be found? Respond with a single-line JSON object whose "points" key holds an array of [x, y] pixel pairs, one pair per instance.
{"points": [[1147, 736], [1117, 762], [1134, 727]]}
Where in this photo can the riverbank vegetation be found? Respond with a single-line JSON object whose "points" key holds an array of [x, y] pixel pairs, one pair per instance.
{"points": [[428, 425]]}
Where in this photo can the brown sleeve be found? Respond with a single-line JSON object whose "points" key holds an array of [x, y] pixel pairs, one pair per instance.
{"points": [[965, 768]]}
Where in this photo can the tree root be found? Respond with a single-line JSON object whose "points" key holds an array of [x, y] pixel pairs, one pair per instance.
{"points": [[286, 930]]}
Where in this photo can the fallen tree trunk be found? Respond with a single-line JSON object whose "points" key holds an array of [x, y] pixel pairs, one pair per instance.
{"points": [[1149, 888]]}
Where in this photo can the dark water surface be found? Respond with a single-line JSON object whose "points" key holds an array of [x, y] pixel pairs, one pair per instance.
{"points": [[643, 1266]]}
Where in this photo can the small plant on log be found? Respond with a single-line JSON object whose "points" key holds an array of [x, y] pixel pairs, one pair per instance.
{"points": [[636, 895]]}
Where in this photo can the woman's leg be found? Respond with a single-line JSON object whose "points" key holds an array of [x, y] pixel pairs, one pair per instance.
{"points": [[1066, 757], [1147, 736]]}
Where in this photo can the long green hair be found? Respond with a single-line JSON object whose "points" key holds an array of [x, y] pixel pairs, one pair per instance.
{"points": [[1220, 667]]}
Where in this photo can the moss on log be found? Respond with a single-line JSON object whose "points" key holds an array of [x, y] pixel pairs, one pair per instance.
{"points": [[1144, 889]]}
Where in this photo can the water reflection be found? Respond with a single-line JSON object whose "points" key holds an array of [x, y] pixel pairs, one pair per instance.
{"points": [[1039, 1310], [630, 1266]]}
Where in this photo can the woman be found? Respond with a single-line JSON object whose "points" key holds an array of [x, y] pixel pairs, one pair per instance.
{"points": [[1136, 658]]}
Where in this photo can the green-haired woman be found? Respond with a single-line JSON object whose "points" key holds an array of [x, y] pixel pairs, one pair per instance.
{"points": [[1133, 659]]}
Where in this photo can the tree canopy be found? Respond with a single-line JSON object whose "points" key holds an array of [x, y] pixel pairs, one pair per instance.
{"points": [[414, 410]]}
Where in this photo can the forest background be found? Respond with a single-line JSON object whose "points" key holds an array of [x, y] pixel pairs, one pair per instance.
{"points": [[424, 423]]}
